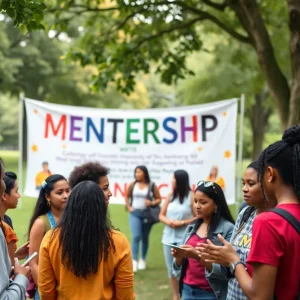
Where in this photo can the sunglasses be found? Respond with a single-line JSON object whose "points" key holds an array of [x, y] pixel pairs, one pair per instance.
{"points": [[207, 184]]}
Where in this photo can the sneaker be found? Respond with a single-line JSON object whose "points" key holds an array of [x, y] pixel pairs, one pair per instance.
{"points": [[142, 264], [135, 266]]}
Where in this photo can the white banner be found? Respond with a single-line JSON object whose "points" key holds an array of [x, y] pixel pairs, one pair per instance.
{"points": [[192, 138]]}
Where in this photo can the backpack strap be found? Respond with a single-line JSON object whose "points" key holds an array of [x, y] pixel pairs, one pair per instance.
{"points": [[289, 217], [130, 190], [150, 194]]}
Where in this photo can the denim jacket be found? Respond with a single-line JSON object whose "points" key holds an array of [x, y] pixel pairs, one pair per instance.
{"points": [[218, 285]]}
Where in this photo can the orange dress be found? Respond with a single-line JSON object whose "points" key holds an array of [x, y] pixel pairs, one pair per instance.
{"points": [[113, 281]]}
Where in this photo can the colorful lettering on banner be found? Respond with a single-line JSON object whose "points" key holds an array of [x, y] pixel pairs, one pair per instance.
{"points": [[192, 138]]}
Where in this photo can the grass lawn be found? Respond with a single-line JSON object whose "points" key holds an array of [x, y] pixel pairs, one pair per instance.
{"points": [[150, 283]]}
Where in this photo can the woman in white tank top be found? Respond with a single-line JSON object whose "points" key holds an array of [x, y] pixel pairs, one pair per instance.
{"points": [[136, 202]]}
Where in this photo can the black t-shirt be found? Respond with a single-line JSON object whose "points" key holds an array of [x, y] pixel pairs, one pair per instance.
{"points": [[8, 221]]}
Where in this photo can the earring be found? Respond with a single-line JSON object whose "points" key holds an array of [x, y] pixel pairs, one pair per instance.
{"points": [[48, 203]]}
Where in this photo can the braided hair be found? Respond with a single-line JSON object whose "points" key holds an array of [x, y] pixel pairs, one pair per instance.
{"points": [[284, 156]]}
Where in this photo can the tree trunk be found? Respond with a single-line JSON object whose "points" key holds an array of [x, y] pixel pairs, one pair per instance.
{"points": [[259, 121], [294, 25], [249, 15]]}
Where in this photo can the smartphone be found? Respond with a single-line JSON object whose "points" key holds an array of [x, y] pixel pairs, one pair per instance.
{"points": [[173, 246], [25, 263]]}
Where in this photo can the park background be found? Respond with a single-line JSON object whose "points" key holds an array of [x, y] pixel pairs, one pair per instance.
{"points": [[136, 54]]}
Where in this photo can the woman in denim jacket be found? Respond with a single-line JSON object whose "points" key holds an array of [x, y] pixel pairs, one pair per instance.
{"points": [[214, 218]]}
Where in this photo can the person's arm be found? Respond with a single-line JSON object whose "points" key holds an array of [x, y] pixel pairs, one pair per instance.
{"points": [[11, 252], [128, 196], [262, 284], [259, 287], [46, 279], [124, 278], [37, 233], [16, 289], [163, 212]]}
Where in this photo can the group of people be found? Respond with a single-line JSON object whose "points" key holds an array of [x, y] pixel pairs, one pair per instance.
{"points": [[208, 255], [81, 255]]}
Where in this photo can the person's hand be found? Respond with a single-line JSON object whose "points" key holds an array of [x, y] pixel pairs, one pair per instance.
{"points": [[223, 255], [171, 223], [189, 251], [23, 251], [148, 202], [177, 223], [178, 255], [21, 270], [130, 209]]}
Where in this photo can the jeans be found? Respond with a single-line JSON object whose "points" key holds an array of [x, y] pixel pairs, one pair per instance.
{"points": [[37, 295], [140, 233], [169, 259], [194, 293]]}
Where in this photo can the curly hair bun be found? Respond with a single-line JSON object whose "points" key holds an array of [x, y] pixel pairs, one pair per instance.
{"points": [[292, 135]]}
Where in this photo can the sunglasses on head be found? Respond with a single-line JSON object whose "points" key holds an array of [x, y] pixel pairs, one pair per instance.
{"points": [[207, 184]]}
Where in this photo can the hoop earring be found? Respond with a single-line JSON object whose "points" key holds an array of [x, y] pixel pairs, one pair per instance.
{"points": [[48, 203]]}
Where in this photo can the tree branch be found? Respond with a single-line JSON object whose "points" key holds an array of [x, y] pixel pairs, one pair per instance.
{"points": [[220, 7], [213, 19], [84, 9], [163, 32]]}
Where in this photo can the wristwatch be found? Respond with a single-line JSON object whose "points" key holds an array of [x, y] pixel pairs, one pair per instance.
{"points": [[233, 266]]}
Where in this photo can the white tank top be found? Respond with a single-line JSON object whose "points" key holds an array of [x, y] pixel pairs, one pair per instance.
{"points": [[139, 197]]}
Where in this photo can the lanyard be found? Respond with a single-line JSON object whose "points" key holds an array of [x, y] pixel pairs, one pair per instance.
{"points": [[51, 219]]}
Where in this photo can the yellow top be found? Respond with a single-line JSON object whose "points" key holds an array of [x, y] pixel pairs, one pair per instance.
{"points": [[220, 181], [113, 281], [40, 177]]}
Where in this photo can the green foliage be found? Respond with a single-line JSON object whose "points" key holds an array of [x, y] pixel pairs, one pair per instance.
{"points": [[122, 38], [27, 13], [9, 111]]}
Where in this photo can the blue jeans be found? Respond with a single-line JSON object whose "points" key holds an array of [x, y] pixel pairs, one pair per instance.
{"points": [[140, 233], [194, 293], [37, 295], [169, 259]]}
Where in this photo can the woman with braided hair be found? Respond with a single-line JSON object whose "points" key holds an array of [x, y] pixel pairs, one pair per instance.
{"points": [[275, 246]]}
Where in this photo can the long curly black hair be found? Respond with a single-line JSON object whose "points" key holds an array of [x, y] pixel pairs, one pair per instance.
{"points": [[85, 231]]}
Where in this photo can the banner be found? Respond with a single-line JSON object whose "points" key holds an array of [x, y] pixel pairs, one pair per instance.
{"points": [[197, 139]]}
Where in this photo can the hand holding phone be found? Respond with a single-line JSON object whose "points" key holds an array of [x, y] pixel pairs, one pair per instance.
{"points": [[173, 246], [18, 269], [26, 262], [23, 251]]}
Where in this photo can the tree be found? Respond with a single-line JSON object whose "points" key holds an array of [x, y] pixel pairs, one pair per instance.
{"points": [[25, 13], [223, 75], [123, 38]]}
